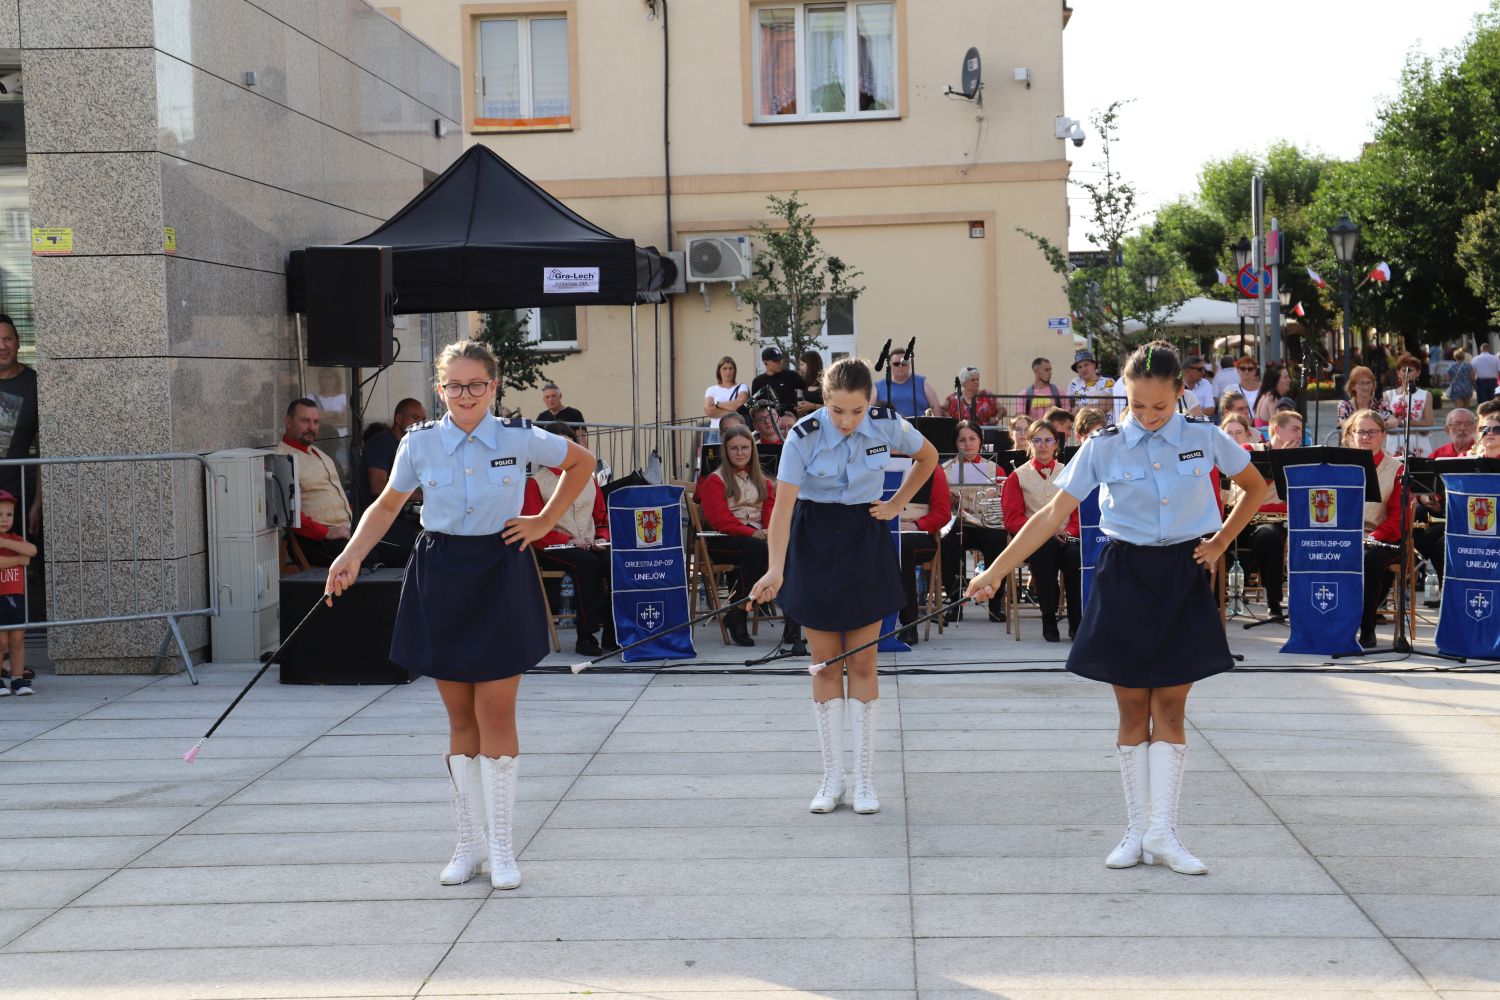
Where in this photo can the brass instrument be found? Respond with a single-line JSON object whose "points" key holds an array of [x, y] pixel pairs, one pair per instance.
{"points": [[1267, 517], [979, 505]]}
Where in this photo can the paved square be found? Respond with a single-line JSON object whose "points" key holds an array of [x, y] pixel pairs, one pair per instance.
{"points": [[1351, 821]]}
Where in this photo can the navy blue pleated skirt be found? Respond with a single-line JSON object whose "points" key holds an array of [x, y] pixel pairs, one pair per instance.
{"points": [[471, 610], [842, 571], [1152, 619]]}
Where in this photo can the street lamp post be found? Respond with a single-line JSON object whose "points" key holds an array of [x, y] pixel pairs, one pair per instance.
{"points": [[1151, 280], [1345, 238], [1241, 258]]}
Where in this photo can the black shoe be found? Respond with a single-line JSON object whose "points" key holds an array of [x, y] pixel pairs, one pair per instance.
{"points": [[1367, 638], [908, 635], [609, 643], [587, 646], [734, 621], [952, 615], [998, 616], [799, 647], [1276, 614]]}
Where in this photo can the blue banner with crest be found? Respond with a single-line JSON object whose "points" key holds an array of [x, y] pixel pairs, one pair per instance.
{"points": [[1467, 624], [648, 572], [1325, 557]]}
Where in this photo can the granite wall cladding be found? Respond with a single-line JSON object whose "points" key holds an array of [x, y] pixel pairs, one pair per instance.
{"points": [[10, 24], [140, 116]]}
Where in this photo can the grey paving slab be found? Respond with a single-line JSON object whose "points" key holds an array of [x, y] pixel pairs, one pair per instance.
{"points": [[1445, 841], [752, 914], [127, 793], [13, 923], [355, 791], [1418, 916], [1418, 759], [1091, 808], [852, 876], [122, 769], [733, 813], [424, 766], [1394, 809], [1038, 761], [1454, 965], [302, 848], [121, 820], [74, 852], [771, 843], [587, 966], [726, 742], [220, 973], [26, 890], [371, 817], [1417, 876], [805, 760], [277, 883], [1092, 842], [779, 788], [1432, 782], [1001, 875], [149, 748], [1262, 915]]}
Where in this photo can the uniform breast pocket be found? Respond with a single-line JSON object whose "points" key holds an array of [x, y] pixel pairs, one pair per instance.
{"points": [[823, 467], [437, 478], [1197, 468], [1124, 474], [501, 476], [877, 461]]}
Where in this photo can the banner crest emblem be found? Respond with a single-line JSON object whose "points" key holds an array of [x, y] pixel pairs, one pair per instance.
{"points": [[1481, 515], [648, 527], [1325, 595], [1323, 506]]}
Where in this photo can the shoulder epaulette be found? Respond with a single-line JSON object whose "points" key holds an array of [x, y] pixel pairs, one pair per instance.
{"points": [[1107, 430], [1198, 419], [805, 426], [883, 413], [422, 426], [520, 422]]}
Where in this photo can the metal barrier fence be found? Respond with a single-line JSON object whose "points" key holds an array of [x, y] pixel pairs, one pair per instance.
{"points": [[122, 538]]}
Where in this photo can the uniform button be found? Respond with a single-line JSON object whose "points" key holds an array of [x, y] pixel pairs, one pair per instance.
{"points": [[1156, 466], [507, 481], [432, 482], [468, 472], [1163, 501], [470, 510], [1197, 472], [1127, 475], [473, 438]]}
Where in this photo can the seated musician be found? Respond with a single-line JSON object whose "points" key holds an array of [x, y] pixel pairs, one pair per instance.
{"points": [[1366, 429], [1239, 427], [584, 530], [1028, 490], [1429, 536], [922, 522], [1089, 420], [1262, 545], [737, 500], [972, 479]]}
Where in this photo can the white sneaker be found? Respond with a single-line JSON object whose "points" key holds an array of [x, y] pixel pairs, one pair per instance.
{"points": [[21, 687]]}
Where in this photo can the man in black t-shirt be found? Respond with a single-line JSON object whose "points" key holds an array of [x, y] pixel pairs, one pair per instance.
{"points": [[779, 379], [380, 449], [552, 399], [18, 423]]}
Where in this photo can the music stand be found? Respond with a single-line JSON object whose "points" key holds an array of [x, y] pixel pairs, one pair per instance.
{"points": [[1010, 460], [941, 431], [1066, 453], [997, 438], [1261, 461]]}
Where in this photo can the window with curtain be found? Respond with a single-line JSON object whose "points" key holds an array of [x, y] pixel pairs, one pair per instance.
{"points": [[523, 72], [824, 60], [554, 328]]}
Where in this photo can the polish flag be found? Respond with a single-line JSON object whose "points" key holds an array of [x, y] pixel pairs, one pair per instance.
{"points": [[1223, 278], [1297, 310], [1381, 272], [1316, 278]]}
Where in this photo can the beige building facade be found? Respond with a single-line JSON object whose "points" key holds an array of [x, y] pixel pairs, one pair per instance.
{"points": [[844, 103]]}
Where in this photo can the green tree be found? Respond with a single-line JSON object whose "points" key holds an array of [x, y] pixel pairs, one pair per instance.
{"points": [[1479, 253], [790, 277], [521, 363]]}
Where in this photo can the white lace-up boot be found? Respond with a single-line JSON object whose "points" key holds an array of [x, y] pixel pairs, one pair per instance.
{"points": [[500, 806], [862, 723], [1135, 774], [1161, 846], [471, 854], [830, 718]]}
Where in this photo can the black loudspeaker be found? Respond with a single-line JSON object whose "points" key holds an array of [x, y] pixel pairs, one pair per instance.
{"points": [[349, 301], [349, 643]]}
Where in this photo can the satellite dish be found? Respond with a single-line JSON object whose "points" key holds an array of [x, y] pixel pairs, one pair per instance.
{"points": [[971, 81]]}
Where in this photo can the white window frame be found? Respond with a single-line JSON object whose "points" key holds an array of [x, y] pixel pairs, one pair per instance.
{"points": [[523, 68], [534, 330], [851, 61], [834, 347]]}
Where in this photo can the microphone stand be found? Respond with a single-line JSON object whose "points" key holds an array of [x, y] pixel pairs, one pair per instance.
{"points": [[1401, 643]]}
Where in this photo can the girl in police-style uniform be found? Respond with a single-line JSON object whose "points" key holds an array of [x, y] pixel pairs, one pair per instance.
{"points": [[832, 560], [1151, 597], [471, 614]]}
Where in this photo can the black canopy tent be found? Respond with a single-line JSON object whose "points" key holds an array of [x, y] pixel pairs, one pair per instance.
{"points": [[484, 236]]}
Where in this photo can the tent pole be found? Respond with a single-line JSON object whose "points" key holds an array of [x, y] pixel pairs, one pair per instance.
{"points": [[635, 392], [656, 380]]}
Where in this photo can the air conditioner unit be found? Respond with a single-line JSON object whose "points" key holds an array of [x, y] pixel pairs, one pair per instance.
{"points": [[679, 283], [718, 258]]}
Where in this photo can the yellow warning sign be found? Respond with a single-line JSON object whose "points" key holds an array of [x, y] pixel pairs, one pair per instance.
{"points": [[169, 243], [49, 242]]}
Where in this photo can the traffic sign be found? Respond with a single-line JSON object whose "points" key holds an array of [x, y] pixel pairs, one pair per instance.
{"points": [[1060, 323], [1249, 308], [1250, 284]]}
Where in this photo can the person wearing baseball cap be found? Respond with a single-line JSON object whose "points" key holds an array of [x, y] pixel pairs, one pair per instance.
{"points": [[786, 385], [15, 555], [1195, 381], [1089, 386]]}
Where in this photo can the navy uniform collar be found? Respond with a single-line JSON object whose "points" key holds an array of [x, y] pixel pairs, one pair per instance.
{"points": [[452, 435], [1171, 431]]}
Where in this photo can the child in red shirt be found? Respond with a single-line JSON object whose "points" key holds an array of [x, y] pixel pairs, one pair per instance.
{"points": [[15, 555]]}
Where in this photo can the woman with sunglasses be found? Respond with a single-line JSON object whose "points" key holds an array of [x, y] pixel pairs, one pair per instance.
{"points": [[1366, 429], [471, 614], [1026, 491], [1487, 443]]}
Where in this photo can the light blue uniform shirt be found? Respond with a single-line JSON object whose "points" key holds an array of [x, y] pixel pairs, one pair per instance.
{"points": [[1156, 487], [472, 483], [828, 467]]}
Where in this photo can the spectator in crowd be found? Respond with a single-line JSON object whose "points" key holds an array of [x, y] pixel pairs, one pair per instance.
{"points": [[810, 367], [737, 500], [556, 411], [763, 418], [724, 397], [15, 555], [1195, 381], [1026, 491], [1249, 381], [784, 422], [1226, 377], [18, 425], [1041, 395], [1486, 371], [326, 515], [1237, 425], [787, 386], [922, 521], [1278, 386], [333, 402], [1361, 395], [1061, 422], [972, 479], [911, 395], [729, 420], [1419, 404], [1366, 429], [579, 546], [1234, 401], [1089, 420], [1018, 425], [1461, 380], [1088, 386], [1461, 426], [380, 448], [971, 403]]}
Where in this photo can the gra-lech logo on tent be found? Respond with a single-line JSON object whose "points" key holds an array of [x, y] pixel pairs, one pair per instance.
{"points": [[1482, 515], [1323, 507], [649, 614], [1325, 594], [648, 526], [1479, 604]]}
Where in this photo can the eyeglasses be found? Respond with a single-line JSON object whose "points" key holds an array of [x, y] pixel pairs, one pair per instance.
{"points": [[454, 390], [897, 364], [1042, 442], [1246, 368], [1368, 432]]}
